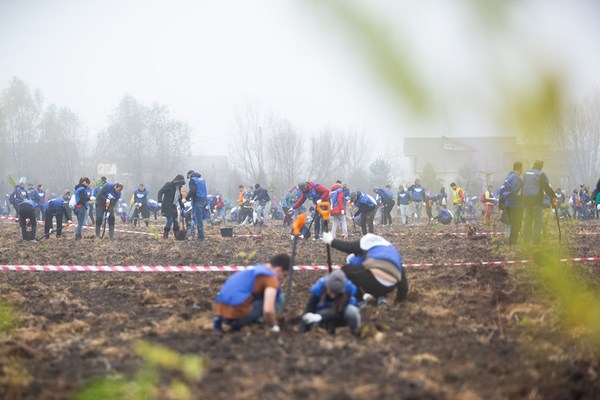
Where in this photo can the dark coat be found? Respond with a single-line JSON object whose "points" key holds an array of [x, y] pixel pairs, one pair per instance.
{"points": [[166, 196]]}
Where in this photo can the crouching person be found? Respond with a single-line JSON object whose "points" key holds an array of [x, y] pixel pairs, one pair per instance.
{"points": [[332, 304], [374, 266], [252, 296], [27, 211], [54, 208]]}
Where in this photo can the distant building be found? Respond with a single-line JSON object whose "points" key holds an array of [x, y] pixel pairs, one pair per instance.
{"points": [[494, 155]]}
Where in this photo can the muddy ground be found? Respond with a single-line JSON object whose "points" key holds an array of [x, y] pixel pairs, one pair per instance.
{"points": [[477, 332]]}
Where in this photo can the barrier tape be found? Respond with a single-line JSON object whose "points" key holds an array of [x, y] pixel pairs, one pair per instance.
{"points": [[232, 268]]}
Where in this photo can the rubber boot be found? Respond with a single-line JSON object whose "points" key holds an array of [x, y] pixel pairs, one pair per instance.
{"points": [[166, 234], [111, 231], [97, 231]]}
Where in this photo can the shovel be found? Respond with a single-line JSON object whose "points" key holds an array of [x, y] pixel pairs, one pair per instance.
{"points": [[323, 208], [298, 224]]}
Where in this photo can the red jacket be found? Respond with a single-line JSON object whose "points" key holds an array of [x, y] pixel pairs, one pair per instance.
{"points": [[339, 200], [315, 192]]}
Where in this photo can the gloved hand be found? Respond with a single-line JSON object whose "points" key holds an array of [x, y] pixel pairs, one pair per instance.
{"points": [[93, 198], [275, 329], [327, 237], [291, 211], [554, 202], [311, 318], [159, 204], [69, 222], [343, 212]]}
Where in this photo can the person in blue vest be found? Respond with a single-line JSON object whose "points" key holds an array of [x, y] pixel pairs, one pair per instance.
{"points": [[417, 197], [170, 199], [198, 195], [535, 184], [252, 296], [510, 200], [387, 200], [19, 195], [332, 304], [39, 196], [403, 198], [153, 208], [444, 216], [82, 194], [366, 210], [140, 199], [54, 208], [27, 213], [374, 265], [107, 199]]}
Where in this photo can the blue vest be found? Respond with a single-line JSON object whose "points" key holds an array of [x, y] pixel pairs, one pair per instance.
{"points": [[238, 287], [417, 193], [54, 206], [77, 194], [387, 253], [318, 288], [141, 196], [445, 215], [313, 195], [31, 203], [531, 183], [403, 198], [200, 187], [385, 195], [334, 197], [111, 193]]}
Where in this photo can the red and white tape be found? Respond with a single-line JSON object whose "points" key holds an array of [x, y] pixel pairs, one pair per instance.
{"points": [[231, 268]]}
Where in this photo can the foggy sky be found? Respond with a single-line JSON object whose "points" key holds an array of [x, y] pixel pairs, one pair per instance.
{"points": [[204, 58]]}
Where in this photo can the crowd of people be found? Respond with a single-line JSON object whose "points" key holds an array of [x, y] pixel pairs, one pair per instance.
{"points": [[186, 210]]}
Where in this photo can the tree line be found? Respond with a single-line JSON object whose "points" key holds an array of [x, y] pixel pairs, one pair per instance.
{"points": [[50, 144]]}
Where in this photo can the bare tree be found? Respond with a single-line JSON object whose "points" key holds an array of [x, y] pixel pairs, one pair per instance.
{"points": [[286, 157], [249, 144], [20, 115], [580, 138], [62, 138]]}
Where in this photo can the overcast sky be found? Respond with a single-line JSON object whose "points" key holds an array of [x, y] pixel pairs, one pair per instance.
{"points": [[204, 58]]}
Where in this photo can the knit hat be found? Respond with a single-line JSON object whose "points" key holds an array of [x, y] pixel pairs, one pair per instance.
{"points": [[336, 282], [179, 179]]}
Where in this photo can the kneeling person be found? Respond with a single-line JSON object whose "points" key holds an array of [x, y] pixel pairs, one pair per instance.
{"points": [[374, 265], [332, 304], [252, 296]]}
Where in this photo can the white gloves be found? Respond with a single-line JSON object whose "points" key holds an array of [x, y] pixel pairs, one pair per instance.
{"points": [[291, 211], [311, 318], [159, 204], [275, 329], [327, 237], [69, 222], [93, 198], [318, 201]]}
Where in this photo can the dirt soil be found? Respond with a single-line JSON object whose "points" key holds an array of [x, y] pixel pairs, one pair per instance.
{"points": [[476, 332]]}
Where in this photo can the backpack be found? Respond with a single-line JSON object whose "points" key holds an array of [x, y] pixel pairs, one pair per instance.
{"points": [[13, 199], [72, 202]]}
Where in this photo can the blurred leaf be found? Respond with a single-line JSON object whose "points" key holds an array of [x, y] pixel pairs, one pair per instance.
{"points": [[7, 317], [391, 62], [157, 355], [192, 366], [531, 112]]}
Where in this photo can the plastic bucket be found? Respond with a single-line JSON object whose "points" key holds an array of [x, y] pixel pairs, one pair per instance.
{"points": [[227, 232]]}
